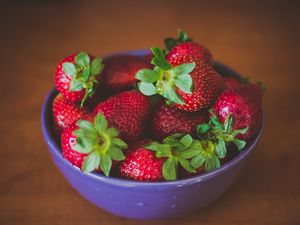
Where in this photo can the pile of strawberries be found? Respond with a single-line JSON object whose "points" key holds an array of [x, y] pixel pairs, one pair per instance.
{"points": [[163, 116]]}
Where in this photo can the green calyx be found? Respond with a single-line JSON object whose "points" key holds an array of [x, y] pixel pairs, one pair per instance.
{"points": [[172, 42], [221, 134], [178, 149], [100, 142], [83, 74], [164, 78], [207, 157]]}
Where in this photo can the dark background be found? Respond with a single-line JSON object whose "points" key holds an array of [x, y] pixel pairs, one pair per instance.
{"points": [[259, 39]]}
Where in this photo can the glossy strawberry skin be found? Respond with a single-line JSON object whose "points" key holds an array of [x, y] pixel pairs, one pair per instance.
{"points": [[119, 71], [128, 112], [66, 112], [62, 80], [244, 103], [141, 164], [188, 52], [167, 120], [207, 86]]}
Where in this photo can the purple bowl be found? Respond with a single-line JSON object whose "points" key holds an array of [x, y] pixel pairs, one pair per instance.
{"points": [[147, 200]]}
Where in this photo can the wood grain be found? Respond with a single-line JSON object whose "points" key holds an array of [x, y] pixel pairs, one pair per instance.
{"points": [[259, 39]]}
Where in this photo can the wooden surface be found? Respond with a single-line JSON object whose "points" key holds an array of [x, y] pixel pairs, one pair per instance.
{"points": [[258, 39]]}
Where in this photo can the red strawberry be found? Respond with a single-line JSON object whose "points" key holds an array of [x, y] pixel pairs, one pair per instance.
{"points": [[91, 145], [244, 104], [189, 82], [230, 83], [77, 75], [167, 120], [189, 52], [128, 112], [142, 164], [119, 71], [160, 161], [207, 86], [65, 112], [183, 49]]}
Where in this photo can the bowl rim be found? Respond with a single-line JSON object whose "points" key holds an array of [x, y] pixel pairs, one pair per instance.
{"points": [[54, 148]]}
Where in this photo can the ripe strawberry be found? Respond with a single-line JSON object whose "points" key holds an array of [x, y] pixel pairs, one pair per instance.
{"points": [[230, 83], [77, 75], [128, 112], [167, 120], [160, 161], [142, 164], [91, 145], [183, 49], [244, 104], [65, 112], [192, 85], [119, 71]]}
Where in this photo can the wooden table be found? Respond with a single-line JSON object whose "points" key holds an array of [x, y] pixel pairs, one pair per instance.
{"points": [[259, 39]]}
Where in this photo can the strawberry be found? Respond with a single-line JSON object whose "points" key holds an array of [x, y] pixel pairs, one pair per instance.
{"points": [[119, 71], [230, 83], [128, 112], [77, 75], [184, 49], [244, 105], [91, 144], [193, 85], [142, 164], [167, 120], [160, 161], [65, 112]]}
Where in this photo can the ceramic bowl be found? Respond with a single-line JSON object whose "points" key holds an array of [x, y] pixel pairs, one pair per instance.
{"points": [[144, 200]]}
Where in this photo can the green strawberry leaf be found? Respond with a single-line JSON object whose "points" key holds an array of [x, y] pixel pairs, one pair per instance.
{"points": [[119, 142], [173, 140], [221, 149], [228, 123], [97, 66], [86, 74], [184, 82], [100, 122], [159, 59], [184, 68], [148, 76], [186, 140], [112, 132], [91, 162], [116, 154], [203, 128], [81, 147], [105, 163], [190, 153], [169, 169], [239, 131], [198, 161], [162, 150], [147, 89], [82, 59], [75, 85], [171, 94], [240, 144], [187, 165], [212, 163], [69, 69], [170, 43], [86, 125], [183, 37]]}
